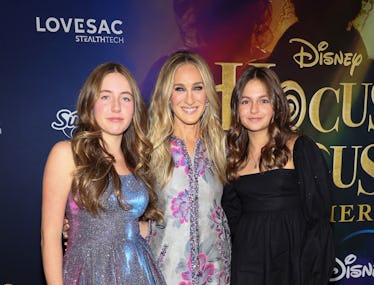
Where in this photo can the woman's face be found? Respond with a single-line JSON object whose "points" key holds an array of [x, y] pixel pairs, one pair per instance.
{"points": [[114, 108], [255, 108], [188, 96]]}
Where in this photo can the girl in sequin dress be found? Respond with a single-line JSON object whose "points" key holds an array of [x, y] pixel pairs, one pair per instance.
{"points": [[101, 179], [191, 244]]}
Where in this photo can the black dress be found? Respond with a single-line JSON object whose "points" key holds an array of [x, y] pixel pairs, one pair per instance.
{"points": [[280, 233], [268, 236]]}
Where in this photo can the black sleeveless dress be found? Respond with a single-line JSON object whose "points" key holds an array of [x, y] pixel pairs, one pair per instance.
{"points": [[268, 227]]}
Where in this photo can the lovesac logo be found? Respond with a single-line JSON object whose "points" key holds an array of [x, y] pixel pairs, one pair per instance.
{"points": [[65, 122], [85, 30]]}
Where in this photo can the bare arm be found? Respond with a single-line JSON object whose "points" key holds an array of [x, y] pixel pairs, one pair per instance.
{"points": [[56, 186], [143, 226]]}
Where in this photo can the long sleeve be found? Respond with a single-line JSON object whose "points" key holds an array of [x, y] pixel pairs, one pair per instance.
{"points": [[232, 206], [315, 185]]}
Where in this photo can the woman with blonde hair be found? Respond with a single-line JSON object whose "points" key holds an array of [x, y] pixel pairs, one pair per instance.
{"points": [[192, 244], [101, 179]]}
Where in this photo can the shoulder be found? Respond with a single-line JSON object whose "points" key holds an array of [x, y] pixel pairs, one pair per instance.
{"points": [[303, 142], [291, 142], [61, 155], [306, 149], [62, 146], [303, 146], [62, 149], [59, 169]]}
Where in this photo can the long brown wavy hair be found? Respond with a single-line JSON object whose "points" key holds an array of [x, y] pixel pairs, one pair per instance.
{"points": [[275, 153], [94, 164]]}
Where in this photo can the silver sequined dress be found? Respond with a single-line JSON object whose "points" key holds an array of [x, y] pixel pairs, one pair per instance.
{"points": [[108, 249]]}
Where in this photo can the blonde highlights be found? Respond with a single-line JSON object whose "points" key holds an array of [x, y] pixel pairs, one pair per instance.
{"points": [[161, 118]]}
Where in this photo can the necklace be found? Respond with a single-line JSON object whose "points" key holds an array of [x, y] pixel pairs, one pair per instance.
{"points": [[254, 161]]}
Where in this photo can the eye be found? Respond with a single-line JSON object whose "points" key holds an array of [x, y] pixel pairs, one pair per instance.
{"points": [[198, 87], [179, 89], [104, 97], [265, 100], [127, 99], [244, 101]]}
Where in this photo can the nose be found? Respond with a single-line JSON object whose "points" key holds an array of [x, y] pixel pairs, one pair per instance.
{"points": [[189, 97], [254, 107], [116, 105]]}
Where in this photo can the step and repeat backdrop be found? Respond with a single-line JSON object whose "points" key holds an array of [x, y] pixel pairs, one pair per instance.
{"points": [[323, 52]]}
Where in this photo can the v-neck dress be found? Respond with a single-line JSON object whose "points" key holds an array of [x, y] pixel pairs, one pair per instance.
{"points": [[108, 248]]}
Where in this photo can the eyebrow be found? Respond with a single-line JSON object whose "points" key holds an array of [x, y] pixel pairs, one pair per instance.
{"points": [[125, 92], [193, 84], [261, 96]]}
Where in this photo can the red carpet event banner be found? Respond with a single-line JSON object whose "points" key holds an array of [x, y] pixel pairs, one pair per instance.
{"points": [[322, 51]]}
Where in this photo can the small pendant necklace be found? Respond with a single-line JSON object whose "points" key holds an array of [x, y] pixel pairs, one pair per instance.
{"points": [[254, 161]]}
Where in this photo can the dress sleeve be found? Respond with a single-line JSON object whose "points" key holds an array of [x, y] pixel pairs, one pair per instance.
{"points": [[318, 253], [232, 206]]}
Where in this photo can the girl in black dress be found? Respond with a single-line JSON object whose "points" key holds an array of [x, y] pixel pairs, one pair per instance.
{"points": [[278, 197]]}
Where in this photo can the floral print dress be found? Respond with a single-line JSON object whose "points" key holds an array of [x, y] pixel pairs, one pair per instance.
{"points": [[192, 244]]}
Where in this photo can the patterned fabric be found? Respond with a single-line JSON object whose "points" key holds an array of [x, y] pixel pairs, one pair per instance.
{"points": [[192, 245]]}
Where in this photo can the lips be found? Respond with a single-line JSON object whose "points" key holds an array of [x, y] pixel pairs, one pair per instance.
{"points": [[189, 110], [115, 119], [254, 119]]}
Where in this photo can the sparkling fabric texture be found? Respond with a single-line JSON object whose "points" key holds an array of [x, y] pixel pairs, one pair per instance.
{"points": [[192, 246], [108, 249]]}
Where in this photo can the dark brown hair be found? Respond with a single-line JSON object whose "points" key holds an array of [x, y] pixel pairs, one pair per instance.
{"points": [[275, 153]]}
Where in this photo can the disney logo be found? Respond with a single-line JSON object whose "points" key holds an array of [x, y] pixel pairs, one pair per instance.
{"points": [[309, 56], [66, 121], [347, 270]]}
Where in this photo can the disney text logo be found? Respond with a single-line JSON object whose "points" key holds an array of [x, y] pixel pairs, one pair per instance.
{"points": [[66, 121], [319, 55], [347, 270]]}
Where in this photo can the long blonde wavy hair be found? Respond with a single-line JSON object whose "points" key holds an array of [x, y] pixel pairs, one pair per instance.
{"points": [[161, 119], [94, 164]]}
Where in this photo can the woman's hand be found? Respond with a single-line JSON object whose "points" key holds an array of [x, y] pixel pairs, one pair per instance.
{"points": [[65, 230]]}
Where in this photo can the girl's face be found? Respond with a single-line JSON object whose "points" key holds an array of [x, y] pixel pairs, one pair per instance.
{"points": [[188, 96], [255, 108], [114, 108]]}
